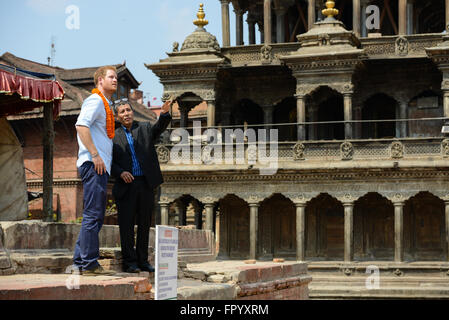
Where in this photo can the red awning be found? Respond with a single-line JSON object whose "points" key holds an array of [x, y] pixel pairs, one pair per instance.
{"points": [[19, 93]]}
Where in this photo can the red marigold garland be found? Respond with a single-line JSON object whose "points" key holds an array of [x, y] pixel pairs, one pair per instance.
{"points": [[110, 122]]}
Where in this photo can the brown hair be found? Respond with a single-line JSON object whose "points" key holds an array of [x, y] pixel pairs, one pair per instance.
{"points": [[101, 73]]}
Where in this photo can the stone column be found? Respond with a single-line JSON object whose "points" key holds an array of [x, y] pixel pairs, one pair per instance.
{"points": [[239, 26], [164, 213], [402, 17], [358, 125], [267, 21], [261, 31], [181, 212], [251, 30], [409, 18], [311, 17], [447, 225], [280, 25], [268, 117], [301, 116], [209, 216], [363, 21], [210, 113], [446, 103], [398, 231], [356, 17], [447, 12], [253, 226], [348, 114], [300, 231], [402, 115], [349, 231], [225, 25], [312, 129], [184, 120]]}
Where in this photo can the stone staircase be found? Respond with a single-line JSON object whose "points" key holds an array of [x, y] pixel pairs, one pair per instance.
{"points": [[40, 247]]}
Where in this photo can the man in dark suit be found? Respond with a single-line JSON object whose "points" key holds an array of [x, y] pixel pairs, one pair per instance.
{"points": [[136, 170]]}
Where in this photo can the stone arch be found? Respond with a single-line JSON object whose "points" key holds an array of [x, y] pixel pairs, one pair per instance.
{"points": [[276, 228], [373, 228], [424, 228], [379, 106], [233, 227], [324, 232], [325, 104], [285, 112], [186, 210], [246, 110]]}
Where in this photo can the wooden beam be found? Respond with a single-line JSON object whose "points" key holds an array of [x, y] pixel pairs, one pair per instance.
{"points": [[390, 16], [295, 29], [303, 18], [48, 142]]}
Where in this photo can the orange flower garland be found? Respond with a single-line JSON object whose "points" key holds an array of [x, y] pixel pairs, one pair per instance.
{"points": [[110, 122]]}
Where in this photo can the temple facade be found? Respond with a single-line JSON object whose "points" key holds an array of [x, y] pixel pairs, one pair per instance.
{"points": [[360, 109]]}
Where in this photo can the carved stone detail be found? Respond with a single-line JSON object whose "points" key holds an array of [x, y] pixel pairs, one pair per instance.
{"points": [[163, 154], [298, 151], [346, 150], [175, 46], [252, 153], [397, 150], [254, 199], [445, 148], [401, 46], [398, 273], [165, 200], [206, 154], [266, 53]]}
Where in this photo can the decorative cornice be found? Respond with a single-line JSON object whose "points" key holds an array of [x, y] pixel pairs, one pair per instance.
{"points": [[60, 183], [330, 175]]}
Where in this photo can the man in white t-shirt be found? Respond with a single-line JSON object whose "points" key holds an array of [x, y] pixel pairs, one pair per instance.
{"points": [[93, 128]]}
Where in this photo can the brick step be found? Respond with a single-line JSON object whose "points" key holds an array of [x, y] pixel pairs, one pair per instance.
{"points": [[71, 287], [383, 281], [361, 292]]}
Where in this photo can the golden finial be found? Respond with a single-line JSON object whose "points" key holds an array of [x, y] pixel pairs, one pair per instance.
{"points": [[201, 22], [330, 11]]}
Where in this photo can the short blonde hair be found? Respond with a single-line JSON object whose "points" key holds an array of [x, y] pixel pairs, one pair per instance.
{"points": [[101, 73]]}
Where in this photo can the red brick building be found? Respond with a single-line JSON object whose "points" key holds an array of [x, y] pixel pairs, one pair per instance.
{"points": [[77, 83]]}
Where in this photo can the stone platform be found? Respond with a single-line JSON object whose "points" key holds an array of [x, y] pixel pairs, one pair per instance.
{"points": [[214, 280], [397, 280]]}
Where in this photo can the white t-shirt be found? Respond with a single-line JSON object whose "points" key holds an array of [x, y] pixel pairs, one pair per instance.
{"points": [[93, 116]]}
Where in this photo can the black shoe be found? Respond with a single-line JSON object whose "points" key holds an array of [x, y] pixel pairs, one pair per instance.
{"points": [[146, 267], [132, 269]]}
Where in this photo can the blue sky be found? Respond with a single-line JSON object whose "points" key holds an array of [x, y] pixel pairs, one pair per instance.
{"points": [[138, 31]]}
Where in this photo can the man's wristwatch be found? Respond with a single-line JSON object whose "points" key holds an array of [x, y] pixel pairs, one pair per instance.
{"points": [[95, 155]]}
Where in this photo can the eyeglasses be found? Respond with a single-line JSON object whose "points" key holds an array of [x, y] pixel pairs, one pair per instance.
{"points": [[121, 100]]}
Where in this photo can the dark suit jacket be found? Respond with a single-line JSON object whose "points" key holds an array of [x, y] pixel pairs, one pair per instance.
{"points": [[144, 135]]}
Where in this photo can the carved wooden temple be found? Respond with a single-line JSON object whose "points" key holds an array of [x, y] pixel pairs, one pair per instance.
{"points": [[362, 160]]}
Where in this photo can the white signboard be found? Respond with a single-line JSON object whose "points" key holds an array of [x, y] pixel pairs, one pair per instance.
{"points": [[166, 278]]}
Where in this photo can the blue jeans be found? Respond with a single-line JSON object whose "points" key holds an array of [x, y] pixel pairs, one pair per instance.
{"points": [[87, 248]]}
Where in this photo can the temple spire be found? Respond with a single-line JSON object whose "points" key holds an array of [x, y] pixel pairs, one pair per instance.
{"points": [[330, 11], [201, 22]]}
